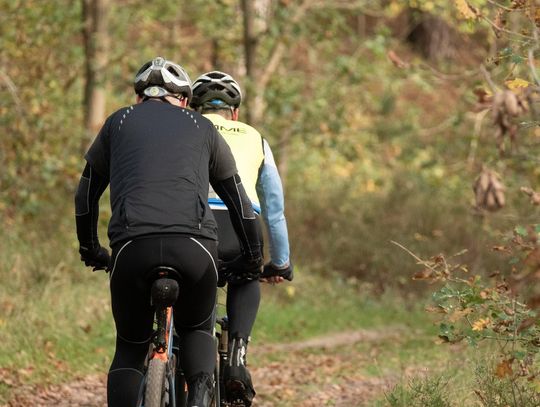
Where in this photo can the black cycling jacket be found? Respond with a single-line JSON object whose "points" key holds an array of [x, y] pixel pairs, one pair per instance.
{"points": [[159, 160]]}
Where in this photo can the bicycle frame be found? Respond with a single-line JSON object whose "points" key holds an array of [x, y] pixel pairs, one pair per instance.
{"points": [[163, 349], [163, 343], [164, 354], [161, 361]]}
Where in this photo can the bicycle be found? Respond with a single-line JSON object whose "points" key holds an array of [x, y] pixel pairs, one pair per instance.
{"points": [[164, 384], [222, 335]]}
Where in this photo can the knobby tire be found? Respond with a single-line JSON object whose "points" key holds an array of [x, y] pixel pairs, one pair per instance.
{"points": [[155, 383], [216, 399]]}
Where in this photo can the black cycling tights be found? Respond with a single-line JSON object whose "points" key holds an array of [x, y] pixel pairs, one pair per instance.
{"points": [[242, 299], [194, 258], [242, 306]]}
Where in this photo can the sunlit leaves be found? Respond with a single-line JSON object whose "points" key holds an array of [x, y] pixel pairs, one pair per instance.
{"points": [[41, 124], [466, 10], [479, 310], [504, 368], [517, 83], [480, 324]]}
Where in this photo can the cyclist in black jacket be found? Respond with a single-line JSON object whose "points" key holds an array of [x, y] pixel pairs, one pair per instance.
{"points": [[159, 159]]}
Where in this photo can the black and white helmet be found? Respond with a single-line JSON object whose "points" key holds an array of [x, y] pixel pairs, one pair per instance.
{"points": [[216, 86], [159, 77]]}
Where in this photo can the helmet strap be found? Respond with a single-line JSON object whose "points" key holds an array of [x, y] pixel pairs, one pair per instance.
{"points": [[161, 98], [164, 98]]}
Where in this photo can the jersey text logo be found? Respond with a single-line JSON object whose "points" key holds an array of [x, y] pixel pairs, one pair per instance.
{"points": [[219, 127]]}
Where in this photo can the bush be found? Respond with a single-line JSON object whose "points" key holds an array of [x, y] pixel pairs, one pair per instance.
{"points": [[494, 391], [421, 392]]}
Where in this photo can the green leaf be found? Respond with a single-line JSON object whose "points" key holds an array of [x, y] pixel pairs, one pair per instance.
{"points": [[520, 355], [517, 59], [472, 341], [446, 329], [520, 230], [506, 51]]}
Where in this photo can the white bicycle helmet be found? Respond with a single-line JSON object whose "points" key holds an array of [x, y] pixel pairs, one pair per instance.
{"points": [[159, 77], [216, 86]]}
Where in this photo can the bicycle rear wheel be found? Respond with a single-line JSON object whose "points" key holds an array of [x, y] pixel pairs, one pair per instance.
{"points": [[216, 400], [155, 383], [180, 389]]}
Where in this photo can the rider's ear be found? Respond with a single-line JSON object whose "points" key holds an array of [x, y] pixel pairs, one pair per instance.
{"points": [[183, 102], [235, 113]]}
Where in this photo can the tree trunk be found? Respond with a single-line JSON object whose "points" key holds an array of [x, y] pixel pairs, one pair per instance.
{"points": [[432, 36], [250, 43], [215, 55], [96, 45]]}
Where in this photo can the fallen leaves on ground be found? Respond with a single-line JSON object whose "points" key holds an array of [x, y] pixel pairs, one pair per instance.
{"points": [[319, 371]]}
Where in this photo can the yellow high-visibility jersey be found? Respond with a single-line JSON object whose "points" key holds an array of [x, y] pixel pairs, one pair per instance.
{"points": [[246, 144]]}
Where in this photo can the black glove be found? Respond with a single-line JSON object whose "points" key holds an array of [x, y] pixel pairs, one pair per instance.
{"points": [[96, 257], [271, 270], [253, 266], [242, 269]]}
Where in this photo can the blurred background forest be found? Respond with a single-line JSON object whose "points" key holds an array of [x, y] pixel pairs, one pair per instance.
{"points": [[382, 95], [382, 115]]}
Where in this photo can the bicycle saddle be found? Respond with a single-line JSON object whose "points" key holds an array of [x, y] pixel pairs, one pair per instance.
{"points": [[164, 291]]}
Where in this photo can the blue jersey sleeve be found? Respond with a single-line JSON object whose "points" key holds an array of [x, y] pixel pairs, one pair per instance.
{"points": [[270, 193]]}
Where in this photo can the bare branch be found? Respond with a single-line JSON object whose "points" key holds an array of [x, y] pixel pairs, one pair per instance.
{"points": [[13, 91], [478, 121], [427, 131], [348, 5], [500, 6], [535, 48], [418, 259], [531, 65], [504, 30], [276, 55], [488, 79], [448, 76], [279, 47]]}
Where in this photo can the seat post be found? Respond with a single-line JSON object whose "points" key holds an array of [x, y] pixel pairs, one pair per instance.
{"points": [[163, 294]]}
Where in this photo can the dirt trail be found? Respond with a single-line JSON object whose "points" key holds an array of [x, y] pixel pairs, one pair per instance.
{"points": [[315, 372]]}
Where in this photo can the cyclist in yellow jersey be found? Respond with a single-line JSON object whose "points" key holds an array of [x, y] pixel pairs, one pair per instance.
{"points": [[218, 96]]}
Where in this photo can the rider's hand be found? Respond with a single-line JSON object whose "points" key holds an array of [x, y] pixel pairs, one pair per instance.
{"points": [[275, 274], [272, 280], [97, 257], [252, 266], [241, 268]]}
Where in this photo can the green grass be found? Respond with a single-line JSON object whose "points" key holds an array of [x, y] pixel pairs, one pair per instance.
{"points": [[314, 305], [60, 326], [420, 368], [56, 324], [55, 320]]}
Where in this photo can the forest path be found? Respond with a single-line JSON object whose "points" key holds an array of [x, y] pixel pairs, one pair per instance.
{"points": [[325, 370]]}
